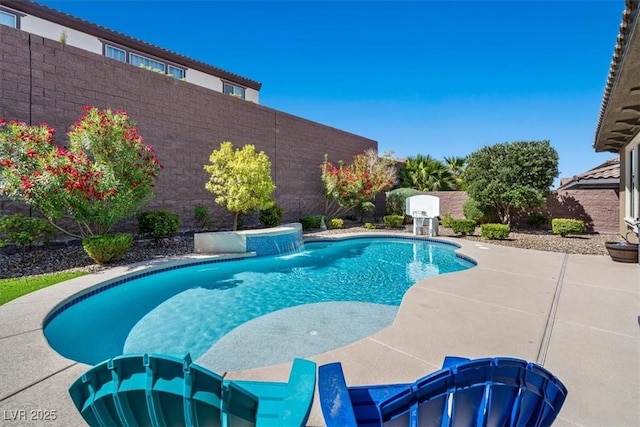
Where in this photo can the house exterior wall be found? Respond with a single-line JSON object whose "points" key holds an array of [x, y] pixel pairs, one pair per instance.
{"points": [[42, 80], [51, 30], [630, 189], [91, 43]]}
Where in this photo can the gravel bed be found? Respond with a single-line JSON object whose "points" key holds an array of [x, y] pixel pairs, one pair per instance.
{"points": [[542, 240], [73, 257]]}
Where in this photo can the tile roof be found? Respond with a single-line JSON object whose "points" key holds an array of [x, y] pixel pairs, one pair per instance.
{"points": [[605, 175]]}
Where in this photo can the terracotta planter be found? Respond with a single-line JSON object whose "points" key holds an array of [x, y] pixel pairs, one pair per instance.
{"points": [[622, 253]]}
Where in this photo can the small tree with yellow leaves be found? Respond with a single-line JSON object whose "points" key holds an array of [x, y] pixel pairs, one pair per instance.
{"points": [[240, 179]]}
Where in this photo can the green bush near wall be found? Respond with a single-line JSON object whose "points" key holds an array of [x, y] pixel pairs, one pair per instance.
{"points": [[108, 248], [495, 231], [271, 217], [446, 219], [397, 200], [23, 230], [310, 222], [537, 220], [463, 226], [393, 221], [336, 223], [203, 217], [159, 224], [566, 226]]}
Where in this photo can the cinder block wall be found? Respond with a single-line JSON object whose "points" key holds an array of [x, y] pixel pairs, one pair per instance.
{"points": [[43, 81], [597, 208]]}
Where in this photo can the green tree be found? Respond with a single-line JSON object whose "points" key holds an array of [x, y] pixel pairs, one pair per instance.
{"points": [[104, 175], [424, 173], [356, 185], [510, 176], [456, 166], [240, 179]]}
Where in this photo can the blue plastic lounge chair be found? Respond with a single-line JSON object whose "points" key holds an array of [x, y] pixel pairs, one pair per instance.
{"points": [[483, 392], [158, 390]]}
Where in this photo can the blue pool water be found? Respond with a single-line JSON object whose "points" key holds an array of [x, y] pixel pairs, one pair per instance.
{"points": [[188, 310]]}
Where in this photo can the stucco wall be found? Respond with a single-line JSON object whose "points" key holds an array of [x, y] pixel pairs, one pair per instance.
{"points": [[42, 80]]}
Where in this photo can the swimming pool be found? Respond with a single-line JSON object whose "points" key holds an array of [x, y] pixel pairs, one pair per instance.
{"points": [[195, 309]]}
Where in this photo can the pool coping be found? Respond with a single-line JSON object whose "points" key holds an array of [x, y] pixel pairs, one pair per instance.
{"points": [[504, 306]]}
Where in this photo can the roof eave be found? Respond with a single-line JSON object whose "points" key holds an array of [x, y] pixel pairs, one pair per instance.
{"points": [[592, 184], [619, 119]]}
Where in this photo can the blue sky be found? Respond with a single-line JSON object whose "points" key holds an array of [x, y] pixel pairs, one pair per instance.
{"points": [[443, 78]]}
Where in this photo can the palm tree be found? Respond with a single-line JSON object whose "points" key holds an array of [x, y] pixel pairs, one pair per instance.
{"points": [[456, 166], [424, 173]]}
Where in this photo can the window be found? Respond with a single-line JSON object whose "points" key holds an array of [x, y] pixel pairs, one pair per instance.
{"points": [[8, 19], [115, 53], [141, 61], [176, 72], [234, 90]]}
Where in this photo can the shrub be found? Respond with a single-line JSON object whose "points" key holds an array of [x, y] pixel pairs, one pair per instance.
{"points": [[336, 223], [203, 217], [104, 249], [397, 200], [473, 210], [511, 176], [311, 221], [158, 224], [463, 226], [494, 231], [103, 174], [393, 221], [272, 216], [240, 179], [446, 219], [536, 220], [369, 226], [566, 226], [355, 186], [23, 230]]}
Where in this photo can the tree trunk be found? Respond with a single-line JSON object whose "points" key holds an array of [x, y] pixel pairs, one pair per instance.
{"points": [[235, 220], [507, 216], [504, 212]]}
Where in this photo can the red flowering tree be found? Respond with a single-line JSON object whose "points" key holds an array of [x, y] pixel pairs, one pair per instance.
{"points": [[356, 185], [104, 175]]}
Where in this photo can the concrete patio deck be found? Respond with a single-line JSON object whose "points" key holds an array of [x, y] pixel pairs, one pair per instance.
{"points": [[578, 315]]}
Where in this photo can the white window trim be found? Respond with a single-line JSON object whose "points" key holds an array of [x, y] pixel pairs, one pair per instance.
{"points": [[234, 86], [169, 67], [164, 66], [16, 21], [127, 59], [632, 213], [115, 48]]}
